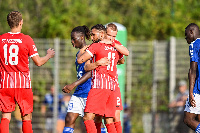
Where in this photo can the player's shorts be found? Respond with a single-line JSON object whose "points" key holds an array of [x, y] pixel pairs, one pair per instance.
{"points": [[101, 101], [118, 99], [77, 105], [23, 96], [189, 108]]}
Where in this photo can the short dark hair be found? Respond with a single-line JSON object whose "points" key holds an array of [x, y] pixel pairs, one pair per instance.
{"points": [[192, 26], [82, 30], [99, 27], [14, 18]]}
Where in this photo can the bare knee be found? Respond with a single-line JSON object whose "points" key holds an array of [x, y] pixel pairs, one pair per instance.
{"points": [[6, 115], [88, 116], [27, 117]]}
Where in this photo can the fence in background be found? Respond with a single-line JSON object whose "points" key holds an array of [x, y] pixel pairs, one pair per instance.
{"points": [[150, 67]]}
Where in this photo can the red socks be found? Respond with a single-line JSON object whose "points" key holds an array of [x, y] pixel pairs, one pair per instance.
{"points": [[118, 126], [90, 126], [111, 128], [5, 124], [98, 126], [27, 126]]}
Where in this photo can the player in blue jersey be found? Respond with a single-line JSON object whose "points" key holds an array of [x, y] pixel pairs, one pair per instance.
{"points": [[78, 100], [192, 107]]}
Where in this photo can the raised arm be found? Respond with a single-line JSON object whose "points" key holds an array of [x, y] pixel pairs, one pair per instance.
{"points": [[39, 61]]}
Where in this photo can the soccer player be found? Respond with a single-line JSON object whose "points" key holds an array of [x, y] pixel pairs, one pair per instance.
{"points": [[111, 32], [78, 100], [192, 109], [101, 96], [15, 82]]}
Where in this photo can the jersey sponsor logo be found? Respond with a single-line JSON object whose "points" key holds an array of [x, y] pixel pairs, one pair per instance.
{"points": [[11, 40], [110, 48]]}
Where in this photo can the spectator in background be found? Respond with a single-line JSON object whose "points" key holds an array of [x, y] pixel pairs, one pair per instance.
{"points": [[178, 106], [47, 110]]}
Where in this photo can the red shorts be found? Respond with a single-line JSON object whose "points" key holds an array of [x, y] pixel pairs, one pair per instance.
{"points": [[118, 99], [101, 101], [23, 96]]}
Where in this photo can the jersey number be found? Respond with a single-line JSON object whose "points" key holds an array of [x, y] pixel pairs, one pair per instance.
{"points": [[13, 57], [112, 57]]}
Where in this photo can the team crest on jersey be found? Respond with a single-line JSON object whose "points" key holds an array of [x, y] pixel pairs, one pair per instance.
{"points": [[70, 106], [111, 48]]}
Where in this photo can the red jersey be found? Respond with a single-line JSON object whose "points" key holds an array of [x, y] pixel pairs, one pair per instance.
{"points": [[104, 77], [15, 50], [120, 55]]}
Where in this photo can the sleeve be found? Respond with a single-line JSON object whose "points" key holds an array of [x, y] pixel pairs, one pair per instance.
{"points": [[120, 55], [32, 50], [193, 52], [92, 49]]}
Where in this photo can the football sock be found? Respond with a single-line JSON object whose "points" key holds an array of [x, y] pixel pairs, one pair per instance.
{"points": [[5, 124], [0, 127], [27, 126], [103, 130], [118, 126], [197, 130], [98, 126], [68, 130], [90, 126], [111, 128]]}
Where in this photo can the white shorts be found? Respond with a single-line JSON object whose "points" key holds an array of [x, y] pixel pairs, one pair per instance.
{"points": [[77, 105], [195, 110]]}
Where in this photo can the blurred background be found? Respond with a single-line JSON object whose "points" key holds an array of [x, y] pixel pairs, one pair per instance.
{"points": [[158, 58]]}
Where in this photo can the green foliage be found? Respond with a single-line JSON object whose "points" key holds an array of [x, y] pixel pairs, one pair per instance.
{"points": [[144, 19]]}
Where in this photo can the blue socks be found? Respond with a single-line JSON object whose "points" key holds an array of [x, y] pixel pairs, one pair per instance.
{"points": [[197, 130], [103, 130], [68, 130]]}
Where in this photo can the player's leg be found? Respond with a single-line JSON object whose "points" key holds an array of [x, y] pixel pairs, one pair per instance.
{"points": [[98, 123], [5, 120], [70, 122], [110, 112], [7, 105], [189, 120], [89, 122], [117, 121], [119, 107], [27, 123], [24, 98]]}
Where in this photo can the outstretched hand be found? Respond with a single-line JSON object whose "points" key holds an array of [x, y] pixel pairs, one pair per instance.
{"points": [[51, 52], [68, 88]]}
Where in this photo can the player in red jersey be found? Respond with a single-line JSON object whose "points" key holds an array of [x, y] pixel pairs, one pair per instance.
{"points": [[101, 97], [15, 82], [111, 32]]}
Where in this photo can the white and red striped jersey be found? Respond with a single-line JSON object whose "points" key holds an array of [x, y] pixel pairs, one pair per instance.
{"points": [[15, 50], [104, 77]]}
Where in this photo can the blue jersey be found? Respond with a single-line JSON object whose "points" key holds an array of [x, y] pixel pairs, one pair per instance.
{"points": [[83, 89], [194, 52]]}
